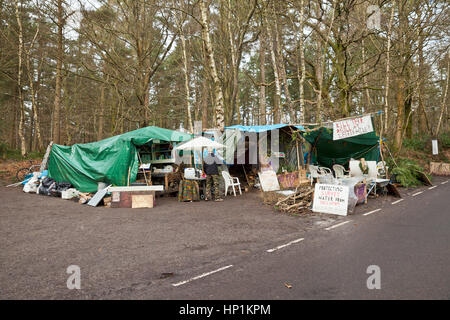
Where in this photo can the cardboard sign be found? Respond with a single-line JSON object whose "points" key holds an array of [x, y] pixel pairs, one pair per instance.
{"points": [[269, 181], [329, 198], [288, 180], [352, 127], [291, 180]]}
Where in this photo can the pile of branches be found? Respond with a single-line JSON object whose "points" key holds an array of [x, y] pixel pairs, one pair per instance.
{"points": [[297, 202]]}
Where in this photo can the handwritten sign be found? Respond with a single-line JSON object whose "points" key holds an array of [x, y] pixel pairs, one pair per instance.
{"points": [[329, 198], [352, 127]]}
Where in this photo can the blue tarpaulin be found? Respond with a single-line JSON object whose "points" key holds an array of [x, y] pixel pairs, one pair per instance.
{"points": [[258, 129]]}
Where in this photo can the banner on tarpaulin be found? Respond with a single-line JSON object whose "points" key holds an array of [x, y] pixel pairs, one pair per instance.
{"points": [[352, 127]]}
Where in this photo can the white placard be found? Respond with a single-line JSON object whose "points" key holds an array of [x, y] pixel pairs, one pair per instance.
{"points": [[269, 181], [434, 144], [330, 198], [352, 127]]}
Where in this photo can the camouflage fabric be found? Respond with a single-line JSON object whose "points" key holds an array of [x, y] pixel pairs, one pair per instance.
{"points": [[213, 180]]}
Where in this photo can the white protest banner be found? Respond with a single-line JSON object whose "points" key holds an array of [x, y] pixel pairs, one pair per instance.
{"points": [[352, 127], [329, 198]]}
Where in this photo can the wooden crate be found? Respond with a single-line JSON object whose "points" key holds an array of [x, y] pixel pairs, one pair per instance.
{"points": [[134, 197]]}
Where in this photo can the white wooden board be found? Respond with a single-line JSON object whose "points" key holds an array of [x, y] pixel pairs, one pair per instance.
{"points": [[269, 181]]}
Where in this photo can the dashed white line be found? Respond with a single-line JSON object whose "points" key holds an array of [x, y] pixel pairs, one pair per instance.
{"points": [[285, 245], [337, 225], [395, 202], [417, 193], [444, 182], [370, 212], [430, 188], [201, 276]]}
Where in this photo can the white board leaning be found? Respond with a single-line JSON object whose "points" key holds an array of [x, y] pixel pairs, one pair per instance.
{"points": [[269, 181], [330, 198], [352, 127]]}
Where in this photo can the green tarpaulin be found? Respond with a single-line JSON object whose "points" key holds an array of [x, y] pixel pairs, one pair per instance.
{"points": [[108, 160], [331, 152]]}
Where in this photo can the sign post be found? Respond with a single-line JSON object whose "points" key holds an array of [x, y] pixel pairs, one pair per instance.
{"points": [[332, 199]]}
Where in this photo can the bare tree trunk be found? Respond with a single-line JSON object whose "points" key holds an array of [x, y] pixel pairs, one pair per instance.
{"points": [[282, 70], [205, 103], [262, 71], [186, 73], [235, 69], [302, 63], [277, 96], [186, 83], [219, 105], [386, 85], [400, 113], [59, 61], [366, 89], [36, 124], [321, 68], [444, 98], [23, 148], [101, 114]]}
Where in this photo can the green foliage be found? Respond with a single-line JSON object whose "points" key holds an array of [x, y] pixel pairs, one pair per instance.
{"points": [[418, 142], [14, 154], [407, 172], [444, 140], [422, 142]]}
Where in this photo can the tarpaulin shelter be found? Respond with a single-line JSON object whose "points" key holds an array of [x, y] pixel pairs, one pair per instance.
{"points": [[330, 152], [113, 160], [238, 137], [327, 151]]}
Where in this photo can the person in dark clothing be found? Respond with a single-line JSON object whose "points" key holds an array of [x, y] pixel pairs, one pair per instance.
{"points": [[212, 176]]}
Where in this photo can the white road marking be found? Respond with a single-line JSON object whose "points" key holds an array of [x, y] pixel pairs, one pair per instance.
{"points": [[395, 202], [417, 193], [373, 211], [200, 276], [444, 182], [430, 188], [285, 245], [337, 225]]}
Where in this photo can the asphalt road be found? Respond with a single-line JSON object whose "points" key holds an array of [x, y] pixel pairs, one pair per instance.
{"points": [[408, 240]]}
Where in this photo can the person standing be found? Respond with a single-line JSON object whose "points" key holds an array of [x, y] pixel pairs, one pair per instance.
{"points": [[212, 175]]}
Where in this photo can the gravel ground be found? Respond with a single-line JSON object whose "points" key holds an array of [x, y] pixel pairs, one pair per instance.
{"points": [[123, 250]]}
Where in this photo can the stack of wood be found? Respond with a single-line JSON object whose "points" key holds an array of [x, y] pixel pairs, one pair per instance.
{"points": [[298, 202], [250, 177]]}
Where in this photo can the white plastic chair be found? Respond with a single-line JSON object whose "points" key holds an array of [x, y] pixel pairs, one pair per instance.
{"points": [[231, 182], [313, 172], [317, 172], [324, 171], [340, 171]]}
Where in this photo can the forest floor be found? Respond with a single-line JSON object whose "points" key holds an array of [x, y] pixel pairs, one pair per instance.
{"points": [[121, 251]]}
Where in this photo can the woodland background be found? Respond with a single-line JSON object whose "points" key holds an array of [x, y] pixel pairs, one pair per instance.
{"points": [[79, 71]]}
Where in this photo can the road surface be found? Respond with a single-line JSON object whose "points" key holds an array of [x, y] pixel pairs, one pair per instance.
{"points": [[409, 240]]}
